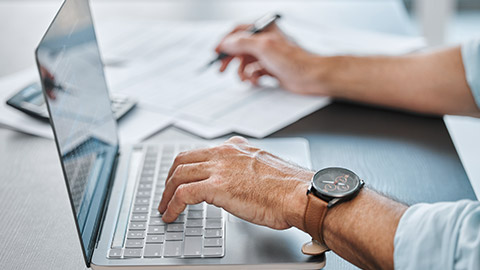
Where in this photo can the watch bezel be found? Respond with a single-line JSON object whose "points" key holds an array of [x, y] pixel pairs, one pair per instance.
{"points": [[328, 197]]}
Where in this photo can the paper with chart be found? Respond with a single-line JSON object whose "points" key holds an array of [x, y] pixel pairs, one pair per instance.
{"points": [[169, 81], [162, 69]]}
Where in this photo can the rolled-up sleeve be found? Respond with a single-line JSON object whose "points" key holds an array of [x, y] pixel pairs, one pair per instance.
{"points": [[439, 236], [471, 62]]}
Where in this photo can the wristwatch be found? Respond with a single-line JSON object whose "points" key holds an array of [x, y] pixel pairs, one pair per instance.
{"points": [[329, 187]]}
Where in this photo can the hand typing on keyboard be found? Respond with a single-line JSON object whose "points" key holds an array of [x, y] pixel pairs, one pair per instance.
{"points": [[246, 181]]}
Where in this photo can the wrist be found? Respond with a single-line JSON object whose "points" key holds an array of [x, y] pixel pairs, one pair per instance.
{"points": [[296, 205], [326, 74]]}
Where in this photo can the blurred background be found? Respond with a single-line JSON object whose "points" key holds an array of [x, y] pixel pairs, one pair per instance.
{"points": [[22, 22]]}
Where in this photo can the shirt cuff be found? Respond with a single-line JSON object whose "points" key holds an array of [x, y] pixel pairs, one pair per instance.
{"points": [[427, 236], [471, 62]]}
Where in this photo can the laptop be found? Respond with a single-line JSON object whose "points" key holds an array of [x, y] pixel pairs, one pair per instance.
{"points": [[114, 189]]}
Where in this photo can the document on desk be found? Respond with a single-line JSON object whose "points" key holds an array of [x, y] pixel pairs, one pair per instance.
{"points": [[160, 64], [163, 70]]}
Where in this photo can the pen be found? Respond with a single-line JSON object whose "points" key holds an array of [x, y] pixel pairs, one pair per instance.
{"points": [[257, 27]]}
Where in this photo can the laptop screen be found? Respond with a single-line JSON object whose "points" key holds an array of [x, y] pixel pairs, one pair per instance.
{"points": [[76, 93]]}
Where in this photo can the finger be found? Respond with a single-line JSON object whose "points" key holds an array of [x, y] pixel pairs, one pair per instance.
{"points": [[241, 27], [241, 68], [251, 68], [191, 193], [254, 79], [245, 61], [256, 74], [237, 140], [193, 156], [225, 62], [240, 43], [238, 28], [184, 173]]}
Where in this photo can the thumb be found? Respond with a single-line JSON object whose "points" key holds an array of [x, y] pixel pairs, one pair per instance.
{"points": [[240, 43]]}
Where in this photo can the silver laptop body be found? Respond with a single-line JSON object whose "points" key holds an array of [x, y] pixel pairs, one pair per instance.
{"points": [[114, 190]]}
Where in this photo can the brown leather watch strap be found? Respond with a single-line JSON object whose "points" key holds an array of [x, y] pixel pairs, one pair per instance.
{"points": [[314, 216]]}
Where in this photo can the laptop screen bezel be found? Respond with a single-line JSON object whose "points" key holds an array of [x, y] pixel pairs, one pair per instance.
{"points": [[91, 246]]}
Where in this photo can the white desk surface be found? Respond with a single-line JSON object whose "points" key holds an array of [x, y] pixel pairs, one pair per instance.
{"points": [[52, 245]]}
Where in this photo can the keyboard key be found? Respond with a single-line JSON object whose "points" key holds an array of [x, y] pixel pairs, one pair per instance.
{"points": [[115, 253], [164, 168], [156, 230], [140, 209], [146, 179], [144, 193], [194, 223], [195, 214], [155, 203], [155, 214], [213, 212], [156, 221], [199, 206], [132, 253], [138, 225], [153, 251], [213, 252], [180, 219], [213, 242], [148, 172], [173, 249], [213, 224], [193, 231], [134, 243], [214, 233], [136, 217], [193, 246], [155, 239], [175, 227], [142, 201], [174, 236], [145, 186], [136, 235]]}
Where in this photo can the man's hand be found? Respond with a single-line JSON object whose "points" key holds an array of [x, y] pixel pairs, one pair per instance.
{"points": [[272, 53], [429, 82], [245, 181]]}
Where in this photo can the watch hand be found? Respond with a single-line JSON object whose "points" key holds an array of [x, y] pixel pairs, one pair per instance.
{"points": [[328, 182]]}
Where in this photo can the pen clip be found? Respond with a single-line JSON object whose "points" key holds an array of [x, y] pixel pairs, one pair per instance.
{"points": [[262, 23]]}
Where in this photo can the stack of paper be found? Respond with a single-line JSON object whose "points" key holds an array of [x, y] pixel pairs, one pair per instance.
{"points": [[163, 69]]}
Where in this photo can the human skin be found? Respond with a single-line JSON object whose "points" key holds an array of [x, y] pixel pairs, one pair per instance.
{"points": [[432, 82], [261, 188], [266, 190]]}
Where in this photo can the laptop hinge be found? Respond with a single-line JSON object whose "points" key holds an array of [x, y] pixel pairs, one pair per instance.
{"points": [[107, 199]]}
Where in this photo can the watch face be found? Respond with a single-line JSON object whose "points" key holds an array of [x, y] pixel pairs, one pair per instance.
{"points": [[335, 182]]}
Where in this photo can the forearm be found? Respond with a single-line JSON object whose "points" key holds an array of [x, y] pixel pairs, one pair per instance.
{"points": [[432, 83], [361, 231]]}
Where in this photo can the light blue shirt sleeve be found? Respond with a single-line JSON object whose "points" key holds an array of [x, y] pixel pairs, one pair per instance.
{"points": [[439, 236], [471, 62]]}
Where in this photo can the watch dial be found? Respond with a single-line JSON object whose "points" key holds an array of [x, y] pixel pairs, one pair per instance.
{"points": [[335, 182]]}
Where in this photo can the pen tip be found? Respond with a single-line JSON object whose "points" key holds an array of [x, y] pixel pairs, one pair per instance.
{"points": [[203, 68]]}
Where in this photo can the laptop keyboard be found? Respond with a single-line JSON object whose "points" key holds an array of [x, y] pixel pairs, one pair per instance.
{"points": [[198, 232]]}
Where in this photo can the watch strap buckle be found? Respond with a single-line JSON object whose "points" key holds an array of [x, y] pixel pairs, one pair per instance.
{"points": [[314, 248]]}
